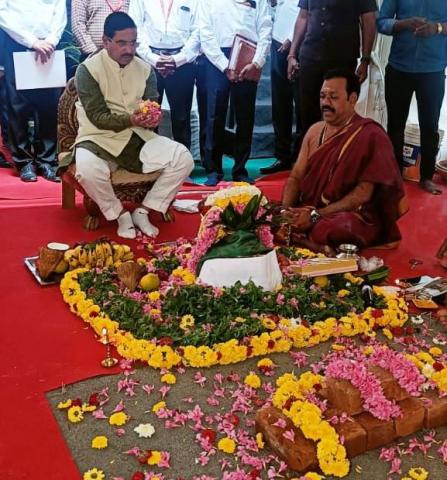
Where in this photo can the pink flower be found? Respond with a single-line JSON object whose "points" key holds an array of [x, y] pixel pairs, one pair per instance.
{"points": [[374, 401], [99, 414], [289, 435], [443, 451], [281, 423], [300, 359], [199, 379]]}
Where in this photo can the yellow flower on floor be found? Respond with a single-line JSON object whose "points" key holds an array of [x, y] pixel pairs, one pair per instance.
{"points": [[63, 405], [154, 458], [337, 347], [187, 322], [158, 406], [342, 293], [226, 445], [100, 442], [252, 380], [168, 378], [418, 473], [387, 333], [74, 414], [259, 440], [265, 362], [313, 476], [118, 418], [94, 474]]}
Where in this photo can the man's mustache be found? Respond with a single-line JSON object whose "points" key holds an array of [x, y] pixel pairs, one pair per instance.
{"points": [[327, 109]]}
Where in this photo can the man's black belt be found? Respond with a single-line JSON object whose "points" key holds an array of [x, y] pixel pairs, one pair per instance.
{"points": [[166, 51]]}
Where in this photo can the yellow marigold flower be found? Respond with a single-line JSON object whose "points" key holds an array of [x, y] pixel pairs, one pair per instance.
{"points": [[187, 322], [158, 406], [154, 458], [88, 408], [435, 351], [268, 323], [239, 320], [252, 380], [226, 445], [154, 311], [368, 350], [322, 281], [94, 474], [418, 473], [74, 414], [153, 296], [353, 279], [342, 293], [259, 440], [387, 333], [337, 347], [168, 378], [265, 362], [118, 418], [63, 405], [313, 476], [100, 442]]}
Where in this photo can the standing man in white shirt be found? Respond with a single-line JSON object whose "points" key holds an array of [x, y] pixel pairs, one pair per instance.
{"points": [[220, 22], [284, 95], [37, 26], [168, 38]]}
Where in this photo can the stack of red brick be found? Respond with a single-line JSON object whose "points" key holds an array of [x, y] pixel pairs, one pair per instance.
{"points": [[361, 431]]}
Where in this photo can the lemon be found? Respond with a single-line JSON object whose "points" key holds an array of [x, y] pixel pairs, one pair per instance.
{"points": [[322, 281], [150, 282], [61, 267]]}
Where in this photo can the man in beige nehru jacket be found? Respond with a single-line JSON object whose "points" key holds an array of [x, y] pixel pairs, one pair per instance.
{"points": [[112, 131]]}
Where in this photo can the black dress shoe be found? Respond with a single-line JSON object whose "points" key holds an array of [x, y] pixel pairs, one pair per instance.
{"points": [[278, 166], [48, 172], [3, 162], [27, 173]]}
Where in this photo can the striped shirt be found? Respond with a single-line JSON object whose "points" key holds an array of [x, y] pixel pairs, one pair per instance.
{"points": [[87, 21]]}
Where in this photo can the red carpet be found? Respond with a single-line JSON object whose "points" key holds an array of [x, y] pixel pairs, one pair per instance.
{"points": [[44, 346]]}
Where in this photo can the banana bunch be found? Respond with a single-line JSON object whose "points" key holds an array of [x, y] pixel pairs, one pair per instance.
{"points": [[99, 254]]}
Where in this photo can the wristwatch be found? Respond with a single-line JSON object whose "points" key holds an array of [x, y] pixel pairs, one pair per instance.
{"points": [[314, 216], [440, 28]]}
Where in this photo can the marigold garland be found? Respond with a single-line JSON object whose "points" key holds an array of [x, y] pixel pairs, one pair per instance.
{"points": [[282, 339], [290, 398]]}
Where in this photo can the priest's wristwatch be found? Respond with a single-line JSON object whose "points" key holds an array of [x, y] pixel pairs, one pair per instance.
{"points": [[314, 216]]}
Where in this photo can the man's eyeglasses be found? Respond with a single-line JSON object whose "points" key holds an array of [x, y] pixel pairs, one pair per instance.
{"points": [[125, 43]]}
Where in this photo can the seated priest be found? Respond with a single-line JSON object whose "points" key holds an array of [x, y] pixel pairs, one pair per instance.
{"points": [[345, 186], [113, 131]]}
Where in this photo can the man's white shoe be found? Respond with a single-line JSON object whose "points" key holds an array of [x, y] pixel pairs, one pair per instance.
{"points": [[141, 220], [126, 228]]}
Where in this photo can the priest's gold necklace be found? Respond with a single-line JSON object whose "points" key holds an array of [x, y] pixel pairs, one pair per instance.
{"points": [[323, 132]]}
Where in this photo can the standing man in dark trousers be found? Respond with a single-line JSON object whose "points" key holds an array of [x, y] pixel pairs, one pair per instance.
{"points": [[220, 22], [284, 99], [168, 37], [416, 64], [32, 26], [3, 118], [326, 37]]}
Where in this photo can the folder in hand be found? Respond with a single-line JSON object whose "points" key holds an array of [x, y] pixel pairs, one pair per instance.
{"points": [[242, 53]]}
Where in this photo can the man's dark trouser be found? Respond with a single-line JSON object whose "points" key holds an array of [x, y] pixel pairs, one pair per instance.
{"points": [[243, 96], [179, 89], [429, 89], [201, 89], [22, 105], [310, 80], [284, 103]]}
